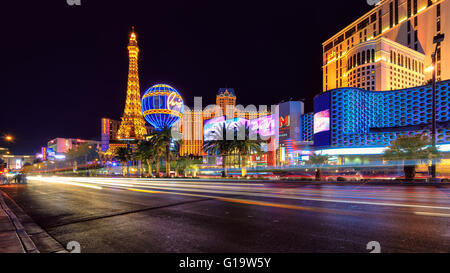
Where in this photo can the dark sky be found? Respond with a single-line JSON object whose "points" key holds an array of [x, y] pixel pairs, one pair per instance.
{"points": [[63, 68]]}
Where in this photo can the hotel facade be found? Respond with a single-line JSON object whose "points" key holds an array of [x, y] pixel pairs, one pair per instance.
{"points": [[192, 123], [389, 48]]}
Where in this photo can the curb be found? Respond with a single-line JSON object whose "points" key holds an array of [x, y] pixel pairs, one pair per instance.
{"points": [[46, 243], [25, 239]]}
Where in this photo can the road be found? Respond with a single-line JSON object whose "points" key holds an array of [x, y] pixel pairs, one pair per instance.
{"points": [[138, 215]]}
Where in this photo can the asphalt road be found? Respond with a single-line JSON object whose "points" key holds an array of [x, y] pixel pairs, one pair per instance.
{"points": [[130, 215]]}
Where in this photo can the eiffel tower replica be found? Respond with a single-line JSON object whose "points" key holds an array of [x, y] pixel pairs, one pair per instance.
{"points": [[132, 127]]}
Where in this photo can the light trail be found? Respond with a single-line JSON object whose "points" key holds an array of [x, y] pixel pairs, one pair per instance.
{"points": [[84, 185], [253, 202], [250, 190], [432, 214]]}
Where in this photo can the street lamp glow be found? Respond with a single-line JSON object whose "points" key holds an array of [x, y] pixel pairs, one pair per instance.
{"points": [[429, 69], [9, 138]]}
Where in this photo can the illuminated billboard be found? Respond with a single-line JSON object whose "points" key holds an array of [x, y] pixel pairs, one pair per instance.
{"points": [[322, 121], [211, 127], [264, 126], [289, 120]]}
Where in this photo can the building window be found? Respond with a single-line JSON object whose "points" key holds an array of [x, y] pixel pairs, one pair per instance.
{"points": [[391, 14], [409, 8], [380, 22], [396, 12]]}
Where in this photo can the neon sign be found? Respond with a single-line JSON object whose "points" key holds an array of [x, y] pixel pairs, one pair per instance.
{"points": [[174, 101], [285, 122]]}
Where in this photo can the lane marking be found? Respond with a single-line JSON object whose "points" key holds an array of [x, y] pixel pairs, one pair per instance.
{"points": [[431, 214], [146, 191]]}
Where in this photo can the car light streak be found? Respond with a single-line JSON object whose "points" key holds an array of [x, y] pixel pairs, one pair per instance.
{"points": [[432, 214], [261, 191], [253, 202]]}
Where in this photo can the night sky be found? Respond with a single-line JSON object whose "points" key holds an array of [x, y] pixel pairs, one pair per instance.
{"points": [[65, 67]]}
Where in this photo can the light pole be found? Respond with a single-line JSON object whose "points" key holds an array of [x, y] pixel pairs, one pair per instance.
{"points": [[436, 40]]}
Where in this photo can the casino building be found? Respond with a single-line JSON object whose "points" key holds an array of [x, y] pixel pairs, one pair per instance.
{"points": [[192, 123], [389, 47], [352, 118]]}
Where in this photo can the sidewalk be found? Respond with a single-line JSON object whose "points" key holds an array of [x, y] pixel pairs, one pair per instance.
{"points": [[13, 237]]}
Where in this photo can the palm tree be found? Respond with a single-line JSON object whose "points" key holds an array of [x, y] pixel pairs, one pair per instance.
{"points": [[146, 152], [124, 156], [219, 145], [410, 150], [245, 145], [161, 141], [318, 160]]}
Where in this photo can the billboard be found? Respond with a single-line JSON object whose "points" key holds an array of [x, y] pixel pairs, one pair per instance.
{"points": [[289, 120], [322, 120], [105, 134], [264, 126]]}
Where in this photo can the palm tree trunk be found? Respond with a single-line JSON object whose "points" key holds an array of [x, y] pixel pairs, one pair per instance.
{"points": [[244, 166], [157, 166], [149, 165], [224, 166], [168, 161], [124, 170]]}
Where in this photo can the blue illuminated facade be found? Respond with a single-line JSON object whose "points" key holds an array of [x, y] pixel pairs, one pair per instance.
{"points": [[162, 106], [361, 118], [306, 127]]}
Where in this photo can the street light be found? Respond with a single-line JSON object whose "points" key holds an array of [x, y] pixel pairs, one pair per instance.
{"points": [[436, 40], [9, 138]]}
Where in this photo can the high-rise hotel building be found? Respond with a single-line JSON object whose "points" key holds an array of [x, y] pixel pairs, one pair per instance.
{"points": [[389, 47], [191, 125]]}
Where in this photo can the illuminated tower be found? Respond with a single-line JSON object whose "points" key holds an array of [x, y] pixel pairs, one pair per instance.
{"points": [[133, 124], [226, 98]]}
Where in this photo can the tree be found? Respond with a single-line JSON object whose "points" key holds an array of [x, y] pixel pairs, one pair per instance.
{"points": [[244, 145], [84, 152], [220, 145], [186, 164], [124, 156], [411, 150], [147, 152], [161, 140], [318, 160]]}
